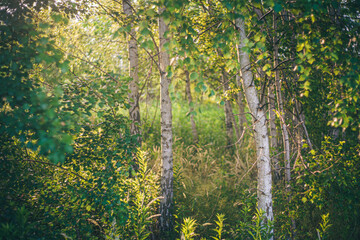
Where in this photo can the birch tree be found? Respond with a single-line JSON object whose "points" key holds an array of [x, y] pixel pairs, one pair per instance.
{"points": [[133, 95], [166, 204], [260, 127]]}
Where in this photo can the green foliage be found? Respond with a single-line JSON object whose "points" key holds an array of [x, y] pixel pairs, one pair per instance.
{"points": [[324, 226], [143, 192], [327, 189], [259, 230], [82, 198], [18, 227], [188, 228], [63, 98], [219, 226], [26, 110], [256, 227]]}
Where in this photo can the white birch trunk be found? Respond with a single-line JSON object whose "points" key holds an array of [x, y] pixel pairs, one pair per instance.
{"points": [[260, 127], [166, 204], [133, 95]]}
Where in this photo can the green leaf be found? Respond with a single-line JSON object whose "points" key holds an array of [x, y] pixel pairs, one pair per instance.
{"points": [[145, 32], [151, 13], [203, 87], [300, 47], [277, 8], [212, 93], [44, 25], [166, 46], [65, 66], [312, 18], [56, 17], [150, 44], [266, 67], [170, 73], [194, 76]]}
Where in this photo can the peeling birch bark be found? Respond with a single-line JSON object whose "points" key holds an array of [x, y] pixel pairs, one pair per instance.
{"points": [[166, 182], [133, 96], [260, 127]]}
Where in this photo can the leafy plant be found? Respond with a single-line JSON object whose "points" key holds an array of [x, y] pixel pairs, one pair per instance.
{"points": [[324, 226], [188, 228], [219, 226]]}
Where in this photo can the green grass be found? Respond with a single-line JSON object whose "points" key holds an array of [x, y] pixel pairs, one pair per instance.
{"points": [[209, 178], [209, 119]]}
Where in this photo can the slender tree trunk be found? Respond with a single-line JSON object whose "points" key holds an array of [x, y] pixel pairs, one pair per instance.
{"points": [[298, 132], [260, 128], [301, 117], [191, 108], [272, 125], [285, 134], [273, 132], [133, 95], [228, 112], [166, 204]]}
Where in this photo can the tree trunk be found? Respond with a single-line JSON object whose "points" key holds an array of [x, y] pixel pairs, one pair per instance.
{"points": [[260, 128], [191, 108], [166, 204], [273, 132], [285, 134], [133, 95]]}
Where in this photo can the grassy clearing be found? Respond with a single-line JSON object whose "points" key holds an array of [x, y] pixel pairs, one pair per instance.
{"points": [[209, 179]]}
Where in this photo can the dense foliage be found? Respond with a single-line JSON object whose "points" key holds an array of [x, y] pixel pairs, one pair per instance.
{"points": [[71, 168]]}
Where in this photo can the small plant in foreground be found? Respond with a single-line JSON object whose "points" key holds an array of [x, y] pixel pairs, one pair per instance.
{"points": [[188, 229]]}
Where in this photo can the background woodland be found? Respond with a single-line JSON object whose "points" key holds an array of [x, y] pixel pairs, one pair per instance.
{"points": [[178, 119]]}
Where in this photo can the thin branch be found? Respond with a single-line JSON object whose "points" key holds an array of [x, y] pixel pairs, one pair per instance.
{"points": [[207, 29], [146, 80], [263, 16], [275, 68]]}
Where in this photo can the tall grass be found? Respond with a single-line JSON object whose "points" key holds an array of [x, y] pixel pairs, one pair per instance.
{"points": [[210, 179]]}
